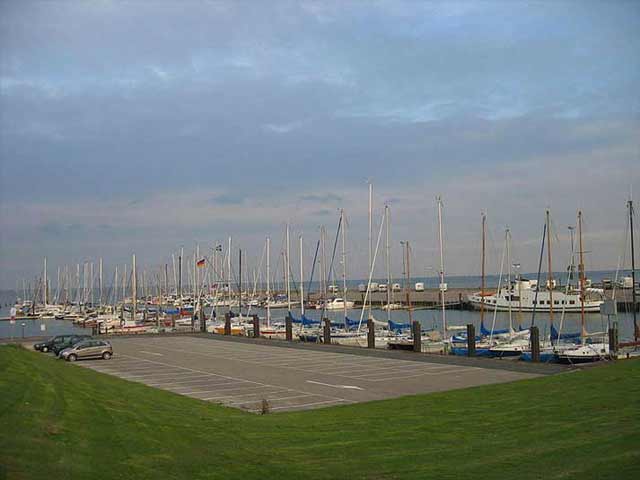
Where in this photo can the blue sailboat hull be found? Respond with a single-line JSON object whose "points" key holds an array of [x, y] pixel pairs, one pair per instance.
{"points": [[545, 357], [464, 352]]}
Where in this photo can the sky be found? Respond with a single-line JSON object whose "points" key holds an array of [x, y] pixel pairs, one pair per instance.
{"points": [[140, 127]]}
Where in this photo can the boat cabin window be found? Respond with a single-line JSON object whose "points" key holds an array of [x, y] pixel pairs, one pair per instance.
{"points": [[556, 302], [572, 302]]}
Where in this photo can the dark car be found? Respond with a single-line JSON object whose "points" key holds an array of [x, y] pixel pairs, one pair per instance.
{"points": [[70, 342], [52, 342]]}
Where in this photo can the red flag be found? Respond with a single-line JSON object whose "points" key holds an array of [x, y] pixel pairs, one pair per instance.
{"points": [[200, 263]]}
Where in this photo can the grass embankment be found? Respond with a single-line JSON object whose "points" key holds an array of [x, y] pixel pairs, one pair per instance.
{"points": [[62, 421]]}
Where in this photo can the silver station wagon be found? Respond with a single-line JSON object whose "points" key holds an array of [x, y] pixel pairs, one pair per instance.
{"points": [[88, 349]]}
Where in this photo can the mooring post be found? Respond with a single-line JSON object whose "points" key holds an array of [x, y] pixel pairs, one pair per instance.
{"points": [[613, 340], [471, 340], [203, 320], [326, 333], [371, 334], [227, 323], [256, 326], [534, 334], [288, 328], [417, 336]]}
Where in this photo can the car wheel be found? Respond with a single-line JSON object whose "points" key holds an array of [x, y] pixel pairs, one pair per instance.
{"points": [[106, 355], [72, 358], [45, 349]]}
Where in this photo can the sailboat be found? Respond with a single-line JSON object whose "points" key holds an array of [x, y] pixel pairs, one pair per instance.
{"points": [[592, 347]]}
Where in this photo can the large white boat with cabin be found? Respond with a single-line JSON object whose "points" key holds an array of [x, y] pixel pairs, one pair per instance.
{"points": [[523, 295], [338, 303]]}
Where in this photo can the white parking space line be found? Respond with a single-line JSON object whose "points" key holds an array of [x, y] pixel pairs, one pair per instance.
{"points": [[199, 392], [168, 374], [265, 395], [218, 397], [304, 405], [403, 377], [207, 381], [291, 398], [390, 370]]}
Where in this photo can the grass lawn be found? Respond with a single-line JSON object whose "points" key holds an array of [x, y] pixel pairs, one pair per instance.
{"points": [[61, 421]]}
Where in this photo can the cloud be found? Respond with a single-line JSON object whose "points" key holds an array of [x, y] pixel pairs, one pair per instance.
{"points": [[283, 127], [222, 119], [228, 199], [321, 198]]}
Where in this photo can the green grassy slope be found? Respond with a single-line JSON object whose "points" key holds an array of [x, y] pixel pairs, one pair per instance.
{"points": [[60, 421]]}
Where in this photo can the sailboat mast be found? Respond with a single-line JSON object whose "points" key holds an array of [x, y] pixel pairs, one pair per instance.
{"points": [[370, 241], [442, 284], [482, 286], [636, 330], [388, 259], [100, 280], [301, 280], [268, 282], [583, 331], [508, 242], [240, 281], [180, 257], [287, 271], [344, 267], [134, 289], [196, 273], [549, 272], [323, 265], [45, 295], [408, 274], [229, 273]]}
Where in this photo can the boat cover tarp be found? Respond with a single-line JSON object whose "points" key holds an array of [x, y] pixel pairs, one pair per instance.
{"points": [[309, 321], [352, 323], [562, 336], [486, 332], [304, 320], [171, 311], [397, 327]]}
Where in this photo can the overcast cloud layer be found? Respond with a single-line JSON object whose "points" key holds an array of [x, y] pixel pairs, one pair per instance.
{"points": [[144, 126]]}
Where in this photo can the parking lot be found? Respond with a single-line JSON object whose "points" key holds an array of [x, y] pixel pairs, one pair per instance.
{"points": [[241, 375]]}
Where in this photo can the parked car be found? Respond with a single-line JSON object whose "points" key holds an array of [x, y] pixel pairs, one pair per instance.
{"points": [[71, 341], [48, 345], [88, 349]]}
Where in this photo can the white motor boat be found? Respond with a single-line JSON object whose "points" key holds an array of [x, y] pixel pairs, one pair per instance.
{"points": [[338, 303], [524, 295]]}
